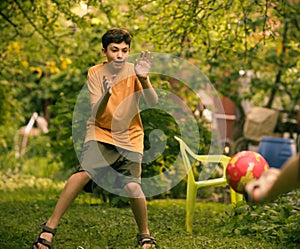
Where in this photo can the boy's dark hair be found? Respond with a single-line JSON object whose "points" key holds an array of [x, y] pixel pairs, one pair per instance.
{"points": [[116, 35]]}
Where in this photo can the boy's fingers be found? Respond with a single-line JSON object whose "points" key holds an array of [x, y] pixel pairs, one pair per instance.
{"points": [[107, 84], [104, 82], [146, 55], [149, 57], [142, 55], [257, 190]]}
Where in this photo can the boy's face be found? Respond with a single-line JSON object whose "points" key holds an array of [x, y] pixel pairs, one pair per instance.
{"points": [[116, 54]]}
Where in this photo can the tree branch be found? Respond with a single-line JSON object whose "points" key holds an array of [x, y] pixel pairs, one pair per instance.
{"points": [[34, 26], [281, 64], [8, 20]]}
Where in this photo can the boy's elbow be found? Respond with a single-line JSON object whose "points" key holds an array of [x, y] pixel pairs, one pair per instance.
{"points": [[150, 97], [153, 101]]}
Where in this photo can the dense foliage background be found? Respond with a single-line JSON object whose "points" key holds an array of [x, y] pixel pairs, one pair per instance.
{"points": [[248, 49]]}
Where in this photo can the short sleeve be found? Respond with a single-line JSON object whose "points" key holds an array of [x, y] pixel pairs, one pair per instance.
{"points": [[94, 84]]}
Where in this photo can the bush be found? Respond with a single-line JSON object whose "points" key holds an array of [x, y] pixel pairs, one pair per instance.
{"points": [[278, 221]]}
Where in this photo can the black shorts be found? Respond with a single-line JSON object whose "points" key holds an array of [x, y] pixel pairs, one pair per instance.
{"points": [[110, 166]]}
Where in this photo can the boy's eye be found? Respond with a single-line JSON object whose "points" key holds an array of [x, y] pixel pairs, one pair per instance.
{"points": [[114, 50]]}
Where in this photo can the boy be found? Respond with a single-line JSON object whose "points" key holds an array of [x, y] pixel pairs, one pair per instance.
{"points": [[114, 137]]}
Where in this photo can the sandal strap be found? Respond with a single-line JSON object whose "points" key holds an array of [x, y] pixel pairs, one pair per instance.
{"points": [[46, 229], [44, 242], [39, 240], [144, 239]]}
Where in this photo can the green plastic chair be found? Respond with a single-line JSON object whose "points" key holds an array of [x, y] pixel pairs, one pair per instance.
{"points": [[193, 185]]}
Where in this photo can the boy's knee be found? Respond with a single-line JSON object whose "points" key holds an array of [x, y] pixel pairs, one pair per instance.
{"points": [[134, 190], [81, 176]]}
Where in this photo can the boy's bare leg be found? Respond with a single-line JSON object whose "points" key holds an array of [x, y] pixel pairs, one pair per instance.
{"points": [[73, 186], [139, 208]]}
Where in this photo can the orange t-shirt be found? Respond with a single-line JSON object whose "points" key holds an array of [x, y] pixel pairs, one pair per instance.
{"points": [[120, 123]]}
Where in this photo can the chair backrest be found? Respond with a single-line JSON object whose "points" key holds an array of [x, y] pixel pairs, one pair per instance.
{"points": [[186, 152]]}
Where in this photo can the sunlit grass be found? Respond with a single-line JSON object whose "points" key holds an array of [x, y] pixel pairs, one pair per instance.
{"points": [[91, 224]]}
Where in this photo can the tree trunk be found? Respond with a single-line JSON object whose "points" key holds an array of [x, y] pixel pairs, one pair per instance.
{"points": [[275, 87]]}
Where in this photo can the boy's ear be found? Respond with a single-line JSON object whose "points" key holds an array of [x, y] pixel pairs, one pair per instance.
{"points": [[103, 51]]}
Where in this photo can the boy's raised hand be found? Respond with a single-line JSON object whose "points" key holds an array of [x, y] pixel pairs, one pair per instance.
{"points": [[143, 64], [108, 83]]}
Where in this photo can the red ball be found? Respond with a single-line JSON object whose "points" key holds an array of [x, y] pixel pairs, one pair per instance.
{"points": [[243, 167]]}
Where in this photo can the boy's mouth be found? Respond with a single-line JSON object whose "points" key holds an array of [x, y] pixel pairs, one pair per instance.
{"points": [[118, 62]]}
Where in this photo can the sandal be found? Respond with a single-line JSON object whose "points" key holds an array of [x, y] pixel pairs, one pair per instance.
{"points": [[146, 239], [44, 242]]}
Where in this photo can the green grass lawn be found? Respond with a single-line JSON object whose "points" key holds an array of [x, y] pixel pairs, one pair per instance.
{"points": [[94, 225]]}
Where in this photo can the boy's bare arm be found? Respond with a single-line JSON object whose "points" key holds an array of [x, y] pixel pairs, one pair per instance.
{"points": [[150, 94], [142, 68], [275, 182], [287, 180]]}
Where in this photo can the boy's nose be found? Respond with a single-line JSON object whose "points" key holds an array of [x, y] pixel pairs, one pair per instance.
{"points": [[120, 55]]}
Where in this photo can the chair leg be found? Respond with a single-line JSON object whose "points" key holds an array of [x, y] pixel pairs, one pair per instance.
{"points": [[239, 197], [235, 197], [190, 205]]}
